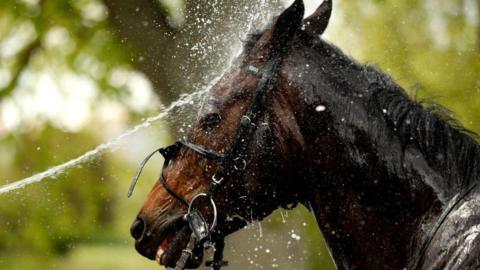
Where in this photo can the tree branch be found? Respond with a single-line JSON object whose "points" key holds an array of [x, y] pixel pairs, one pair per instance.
{"points": [[25, 55], [23, 61]]}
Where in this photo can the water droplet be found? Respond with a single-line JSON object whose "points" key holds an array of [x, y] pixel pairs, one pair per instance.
{"points": [[320, 108]]}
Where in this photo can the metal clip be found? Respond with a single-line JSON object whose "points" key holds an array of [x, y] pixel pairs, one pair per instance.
{"points": [[198, 224]]}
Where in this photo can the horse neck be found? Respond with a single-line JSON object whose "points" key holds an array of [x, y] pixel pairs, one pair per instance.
{"points": [[369, 210], [370, 191]]}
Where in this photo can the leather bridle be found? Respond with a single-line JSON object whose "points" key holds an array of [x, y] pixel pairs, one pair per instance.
{"points": [[230, 163]]}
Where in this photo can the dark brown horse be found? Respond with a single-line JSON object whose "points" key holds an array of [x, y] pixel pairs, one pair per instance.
{"points": [[392, 184]]}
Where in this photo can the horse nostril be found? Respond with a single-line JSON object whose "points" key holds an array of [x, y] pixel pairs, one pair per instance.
{"points": [[138, 228]]}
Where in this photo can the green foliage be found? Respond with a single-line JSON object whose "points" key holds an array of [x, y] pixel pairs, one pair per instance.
{"points": [[317, 252], [63, 36], [51, 216], [432, 48]]}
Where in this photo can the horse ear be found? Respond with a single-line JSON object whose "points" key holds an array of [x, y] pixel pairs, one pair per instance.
{"points": [[317, 22], [288, 23]]}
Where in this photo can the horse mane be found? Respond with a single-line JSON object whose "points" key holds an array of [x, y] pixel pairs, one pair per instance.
{"points": [[445, 143], [447, 146]]}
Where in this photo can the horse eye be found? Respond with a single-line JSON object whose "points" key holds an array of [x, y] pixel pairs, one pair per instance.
{"points": [[210, 120]]}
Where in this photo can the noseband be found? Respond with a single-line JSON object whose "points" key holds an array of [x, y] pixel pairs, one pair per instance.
{"points": [[230, 163]]}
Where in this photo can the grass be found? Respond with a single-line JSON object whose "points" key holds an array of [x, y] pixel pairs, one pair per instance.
{"points": [[83, 257], [273, 245], [107, 257]]}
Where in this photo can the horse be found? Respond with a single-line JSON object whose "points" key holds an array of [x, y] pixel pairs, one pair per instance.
{"points": [[392, 182]]}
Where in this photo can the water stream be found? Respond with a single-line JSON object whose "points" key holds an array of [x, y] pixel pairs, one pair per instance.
{"points": [[255, 19], [109, 146]]}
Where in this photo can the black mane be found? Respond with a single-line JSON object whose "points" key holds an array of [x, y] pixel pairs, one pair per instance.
{"points": [[446, 145]]}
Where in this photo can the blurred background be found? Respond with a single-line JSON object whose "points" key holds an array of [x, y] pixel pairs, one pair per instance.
{"points": [[78, 73]]}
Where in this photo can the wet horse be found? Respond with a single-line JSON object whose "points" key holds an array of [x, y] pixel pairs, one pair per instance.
{"points": [[393, 184]]}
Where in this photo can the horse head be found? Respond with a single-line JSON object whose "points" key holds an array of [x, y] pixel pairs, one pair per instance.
{"points": [[246, 142]]}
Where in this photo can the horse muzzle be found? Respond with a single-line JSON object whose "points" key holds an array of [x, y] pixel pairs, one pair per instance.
{"points": [[163, 241]]}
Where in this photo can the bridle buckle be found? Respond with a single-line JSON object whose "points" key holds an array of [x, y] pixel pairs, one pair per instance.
{"points": [[216, 180]]}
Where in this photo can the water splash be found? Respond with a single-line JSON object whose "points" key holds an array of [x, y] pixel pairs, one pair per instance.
{"points": [[109, 146], [255, 19]]}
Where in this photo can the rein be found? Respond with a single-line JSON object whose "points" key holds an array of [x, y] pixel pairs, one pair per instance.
{"points": [[428, 239], [232, 162]]}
